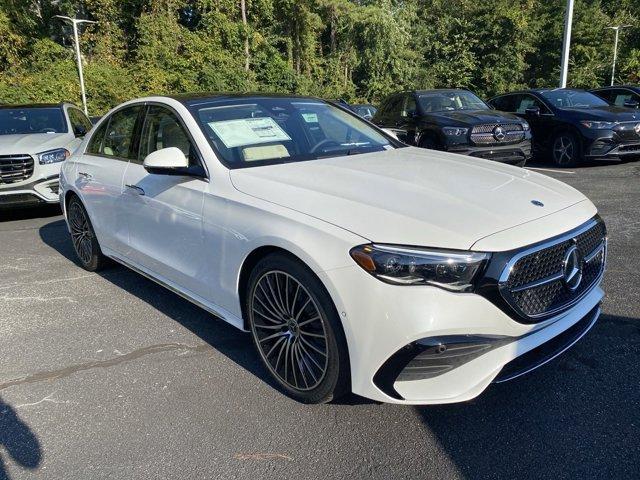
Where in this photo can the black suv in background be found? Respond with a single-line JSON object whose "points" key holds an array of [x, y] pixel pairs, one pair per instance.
{"points": [[572, 125], [620, 95], [456, 121]]}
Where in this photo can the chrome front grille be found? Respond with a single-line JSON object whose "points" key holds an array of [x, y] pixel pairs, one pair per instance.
{"points": [[497, 133], [535, 281], [15, 168]]}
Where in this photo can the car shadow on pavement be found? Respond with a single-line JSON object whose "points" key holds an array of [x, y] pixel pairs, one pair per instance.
{"points": [[576, 417], [17, 442], [8, 215], [228, 340]]}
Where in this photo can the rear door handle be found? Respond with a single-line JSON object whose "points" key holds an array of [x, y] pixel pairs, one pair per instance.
{"points": [[86, 176], [138, 189]]}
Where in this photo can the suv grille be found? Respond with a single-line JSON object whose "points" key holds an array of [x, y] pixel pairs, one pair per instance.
{"points": [[497, 133], [15, 168], [537, 282]]}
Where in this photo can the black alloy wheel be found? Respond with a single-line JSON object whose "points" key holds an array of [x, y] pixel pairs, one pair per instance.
{"points": [[83, 237]]}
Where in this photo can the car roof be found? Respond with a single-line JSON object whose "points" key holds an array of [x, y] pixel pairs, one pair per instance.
{"points": [[436, 90], [190, 98], [609, 87], [35, 105], [540, 91]]}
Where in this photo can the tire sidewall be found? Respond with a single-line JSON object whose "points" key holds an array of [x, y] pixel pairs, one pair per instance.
{"points": [[96, 254], [577, 153]]}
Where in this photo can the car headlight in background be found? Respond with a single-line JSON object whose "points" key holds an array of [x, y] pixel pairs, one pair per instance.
{"points": [[455, 131], [598, 125], [53, 156], [452, 270], [525, 126]]}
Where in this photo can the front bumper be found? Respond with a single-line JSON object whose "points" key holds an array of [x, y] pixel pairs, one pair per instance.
{"points": [[32, 193], [516, 154], [390, 318], [611, 144]]}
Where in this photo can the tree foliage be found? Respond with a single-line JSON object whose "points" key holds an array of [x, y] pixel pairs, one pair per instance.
{"points": [[353, 49]]}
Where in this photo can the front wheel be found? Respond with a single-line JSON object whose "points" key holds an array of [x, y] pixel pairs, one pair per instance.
{"points": [[296, 330], [83, 237], [566, 150]]}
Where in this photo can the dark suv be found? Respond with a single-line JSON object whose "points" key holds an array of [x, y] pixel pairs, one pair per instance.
{"points": [[571, 125], [456, 121]]}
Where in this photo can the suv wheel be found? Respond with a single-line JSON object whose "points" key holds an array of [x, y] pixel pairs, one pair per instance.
{"points": [[565, 150], [85, 243], [296, 330]]}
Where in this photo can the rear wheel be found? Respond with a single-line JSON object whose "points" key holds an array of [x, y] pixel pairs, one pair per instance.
{"points": [[296, 330], [565, 150], [83, 237]]}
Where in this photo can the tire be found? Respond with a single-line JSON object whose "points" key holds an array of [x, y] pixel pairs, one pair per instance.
{"points": [[296, 330], [429, 141], [83, 237], [565, 150]]}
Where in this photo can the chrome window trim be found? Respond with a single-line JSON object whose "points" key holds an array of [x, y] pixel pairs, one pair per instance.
{"points": [[504, 276]]}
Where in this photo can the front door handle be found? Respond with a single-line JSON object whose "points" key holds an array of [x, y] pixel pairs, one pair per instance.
{"points": [[138, 189], [86, 176]]}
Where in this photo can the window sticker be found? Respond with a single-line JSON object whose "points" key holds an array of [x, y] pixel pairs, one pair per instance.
{"points": [[310, 117], [248, 131], [264, 152]]}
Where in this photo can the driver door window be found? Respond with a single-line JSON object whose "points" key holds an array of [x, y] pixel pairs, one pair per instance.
{"points": [[163, 130], [409, 106]]}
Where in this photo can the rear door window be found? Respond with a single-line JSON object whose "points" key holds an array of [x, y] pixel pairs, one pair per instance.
{"points": [[119, 141]]}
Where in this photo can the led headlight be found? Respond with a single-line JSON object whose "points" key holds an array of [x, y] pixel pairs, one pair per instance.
{"points": [[525, 126], [452, 270], [53, 156], [598, 125], [455, 131]]}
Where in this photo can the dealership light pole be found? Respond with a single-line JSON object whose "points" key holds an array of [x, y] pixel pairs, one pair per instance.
{"points": [[75, 22], [617, 29], [566, 44]]}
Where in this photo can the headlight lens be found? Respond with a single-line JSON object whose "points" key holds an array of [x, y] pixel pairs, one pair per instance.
{"points": [[452, 270], [53, 156], [525, 126], [598, 125], [455, 131]]}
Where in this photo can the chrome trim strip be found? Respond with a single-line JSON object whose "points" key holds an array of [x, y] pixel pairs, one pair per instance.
{"points": [[588, 258], [596, 315], [538, 283]]}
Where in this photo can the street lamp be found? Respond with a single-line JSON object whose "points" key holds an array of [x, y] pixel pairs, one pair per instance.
{"points": [[617, 29], [75, 22], [566, 44]]}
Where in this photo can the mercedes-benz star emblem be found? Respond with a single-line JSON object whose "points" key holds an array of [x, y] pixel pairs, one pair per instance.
{"points": [[537, 203], [499, 133], [572, 269]]}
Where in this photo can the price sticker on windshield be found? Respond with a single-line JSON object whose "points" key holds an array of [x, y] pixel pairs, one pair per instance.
{"points": [[249, 131]]}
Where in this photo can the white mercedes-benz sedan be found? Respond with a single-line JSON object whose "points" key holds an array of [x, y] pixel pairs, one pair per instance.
{"points": [[356, 263]]}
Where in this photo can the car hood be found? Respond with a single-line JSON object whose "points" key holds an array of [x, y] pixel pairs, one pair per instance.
{"points": [[608, 113], [32, 143], [410, 196], [474, 117]]}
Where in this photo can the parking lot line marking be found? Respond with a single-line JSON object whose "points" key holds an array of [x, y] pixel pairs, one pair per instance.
{"points": [[570, 172]]}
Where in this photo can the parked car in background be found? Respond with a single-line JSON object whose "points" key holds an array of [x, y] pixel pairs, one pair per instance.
{"points": [[620, 95], [365, 110], [456, 121], [34, 141], [356, 263], [570, 126]]}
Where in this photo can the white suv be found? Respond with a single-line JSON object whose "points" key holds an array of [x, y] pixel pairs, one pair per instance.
{"points": [[34, 141], [357, 263]]}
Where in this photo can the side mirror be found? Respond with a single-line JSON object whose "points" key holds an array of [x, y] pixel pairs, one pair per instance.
{"points": [[532, 112], [79, 130], [167, 161], [631, 104]]}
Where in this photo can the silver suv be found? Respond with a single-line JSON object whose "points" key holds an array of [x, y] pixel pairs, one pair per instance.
{"points": [[34, 141]]}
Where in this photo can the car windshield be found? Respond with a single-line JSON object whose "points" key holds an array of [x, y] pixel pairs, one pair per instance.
{"points": [[255, 131], [573, 99], [31, 120], [450, 101]]}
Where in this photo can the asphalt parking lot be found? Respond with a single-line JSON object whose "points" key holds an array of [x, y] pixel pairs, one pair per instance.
{"points": [[110, 376]]}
